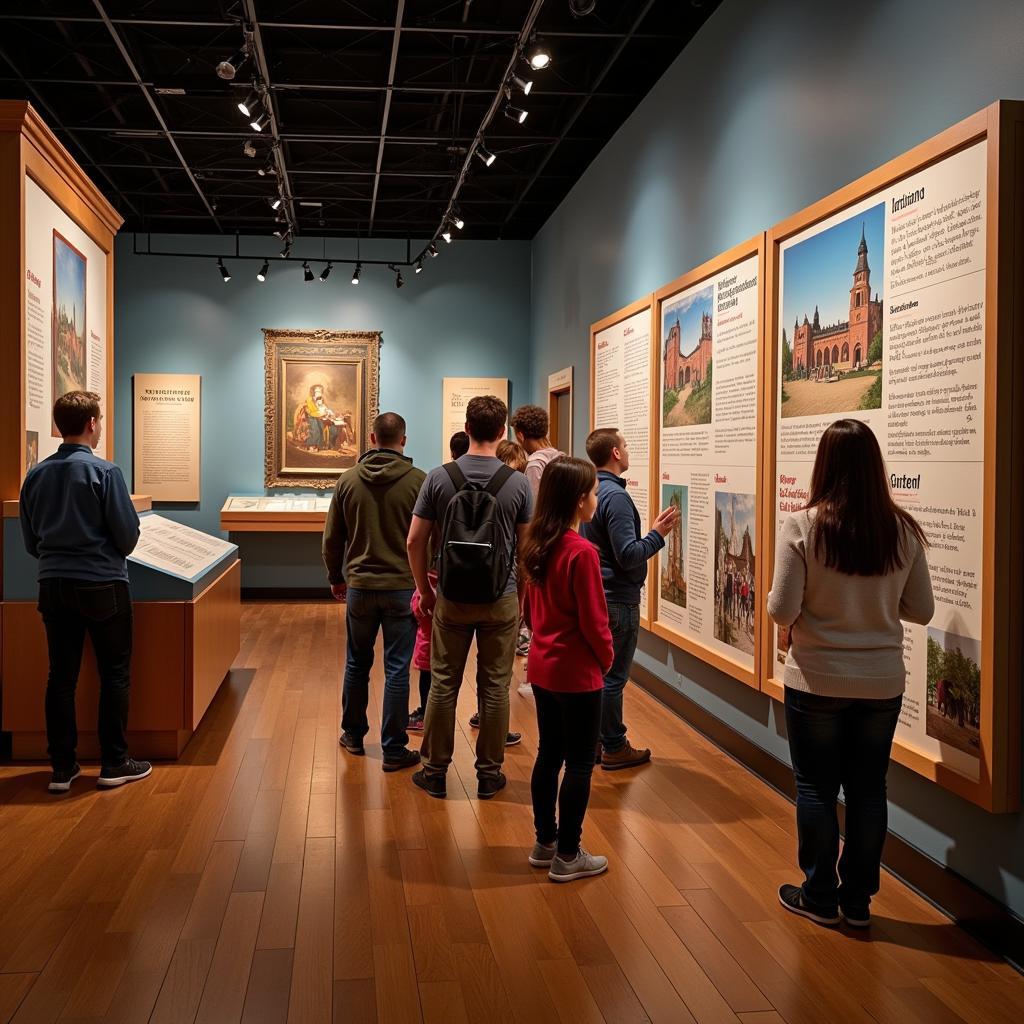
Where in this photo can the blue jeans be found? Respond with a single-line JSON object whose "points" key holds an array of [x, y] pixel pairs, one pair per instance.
{"points": [[840, 741], [367, 613], [624, 622]]}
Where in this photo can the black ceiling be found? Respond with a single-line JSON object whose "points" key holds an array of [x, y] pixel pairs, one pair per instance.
{"points": [[167, 149]]}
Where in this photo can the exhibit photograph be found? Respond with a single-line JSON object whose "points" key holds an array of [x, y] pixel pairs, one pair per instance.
{"points": [[511, 513]]}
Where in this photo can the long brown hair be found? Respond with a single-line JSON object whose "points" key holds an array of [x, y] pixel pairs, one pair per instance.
{"points": [[858, 529], [564, 482]]}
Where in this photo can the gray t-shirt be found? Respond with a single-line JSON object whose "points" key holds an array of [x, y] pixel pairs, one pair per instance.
{"points": [[515, 502]]}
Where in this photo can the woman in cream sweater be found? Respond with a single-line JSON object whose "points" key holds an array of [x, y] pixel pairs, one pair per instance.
{"points": [[848, 568]]}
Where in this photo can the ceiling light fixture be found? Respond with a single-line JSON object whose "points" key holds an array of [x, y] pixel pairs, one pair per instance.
{"points": [[457, 220], [485, 154], [517, 114], [432, 249], [224, 272], [307, 274], [261, 274], [446, 234], [356, 273], [268, 168], [227, 69], [275, 203], [287, 250], [257, 124], [523, 84], [419, 265], [326, 272], [539, 57], [250, 104], [249, 149]]}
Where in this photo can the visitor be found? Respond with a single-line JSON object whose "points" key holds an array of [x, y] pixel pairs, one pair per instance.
{"points": [[530, 424], [458, 444], [421, 655], [513, 454], [364, 551], [482, 507], [848, 568], [78, 520], [570, 653], [615, 531]]}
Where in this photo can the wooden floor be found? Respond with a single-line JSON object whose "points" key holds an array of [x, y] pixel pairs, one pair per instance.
{"points": [[269, 876]]}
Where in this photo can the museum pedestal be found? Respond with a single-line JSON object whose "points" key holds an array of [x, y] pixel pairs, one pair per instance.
{"points": [[186, 636]]}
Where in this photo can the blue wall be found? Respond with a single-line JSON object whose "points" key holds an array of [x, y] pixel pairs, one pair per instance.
{"points": [[770, 107], [467, 314]]}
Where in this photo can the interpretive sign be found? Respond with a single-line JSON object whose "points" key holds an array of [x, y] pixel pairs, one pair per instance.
{"points": [[456, 393], [177, 549], [166, 435]]}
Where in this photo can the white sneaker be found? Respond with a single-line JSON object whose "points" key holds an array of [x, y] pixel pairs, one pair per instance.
{"points": [[525, 690], [583, 865]]}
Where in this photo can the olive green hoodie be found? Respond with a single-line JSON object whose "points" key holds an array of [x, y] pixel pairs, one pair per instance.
{"points": [[368, 522]]}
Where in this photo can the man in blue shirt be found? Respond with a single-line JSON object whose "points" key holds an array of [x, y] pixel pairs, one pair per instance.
{"points": [[615, 532], [78, 520]]}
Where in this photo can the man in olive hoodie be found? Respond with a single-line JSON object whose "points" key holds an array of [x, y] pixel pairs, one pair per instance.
{"points": [[364, 551]]}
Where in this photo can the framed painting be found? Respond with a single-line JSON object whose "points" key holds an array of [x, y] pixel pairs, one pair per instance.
{"points": [[322, 393], [68, 345]]}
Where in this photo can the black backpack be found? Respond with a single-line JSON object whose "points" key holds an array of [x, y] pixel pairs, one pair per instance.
{"points": [[475, 561]]}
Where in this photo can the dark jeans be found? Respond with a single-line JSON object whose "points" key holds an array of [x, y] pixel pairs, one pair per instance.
{"points": [[837, 742], [624, 622], [568, 725], [368, 612], [70, 609]]}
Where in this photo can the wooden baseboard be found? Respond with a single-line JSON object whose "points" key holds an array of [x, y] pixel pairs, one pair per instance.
{"points": [[986, 919], [286, 594]]}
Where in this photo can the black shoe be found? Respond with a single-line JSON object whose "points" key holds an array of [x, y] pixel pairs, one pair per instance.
{"points": [[792, 898], [856, 917], [474, 721], [61, 779], [130, 771], [434, 785], [513, 739], [405, 759], [488, 785], [351, 744]]}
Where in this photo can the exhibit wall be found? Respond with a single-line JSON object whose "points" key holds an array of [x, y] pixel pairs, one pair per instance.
{"points": [[787, 102], [467, 314]]}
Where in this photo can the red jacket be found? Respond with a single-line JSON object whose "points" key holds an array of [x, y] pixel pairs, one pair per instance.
{"points": [[571, 647], [424, 623]]}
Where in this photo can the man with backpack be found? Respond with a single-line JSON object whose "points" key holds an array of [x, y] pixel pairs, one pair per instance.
{"points": [[481, 508]]}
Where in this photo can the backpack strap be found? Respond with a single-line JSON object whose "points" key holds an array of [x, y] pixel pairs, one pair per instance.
{"points": [[458, 478], [500, 478]]}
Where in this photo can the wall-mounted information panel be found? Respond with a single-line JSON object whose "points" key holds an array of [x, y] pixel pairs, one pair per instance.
{"points": [[621, 381], [897, 301], [705, 430]]}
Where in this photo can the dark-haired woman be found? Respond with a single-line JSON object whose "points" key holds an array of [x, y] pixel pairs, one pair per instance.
{"points": [[570, 653], [848, 568]]}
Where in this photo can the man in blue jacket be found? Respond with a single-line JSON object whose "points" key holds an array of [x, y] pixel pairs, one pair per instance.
{"points": [[615, 532], [78, 520]]}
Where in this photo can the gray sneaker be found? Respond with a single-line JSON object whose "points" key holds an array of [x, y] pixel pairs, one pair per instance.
{"points": [[541, 855], [583, 865]]}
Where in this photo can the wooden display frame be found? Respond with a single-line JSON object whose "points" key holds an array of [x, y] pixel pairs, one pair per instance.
{"points": [[626, 313], [752, 247], [1001, 126], [28, 149]]}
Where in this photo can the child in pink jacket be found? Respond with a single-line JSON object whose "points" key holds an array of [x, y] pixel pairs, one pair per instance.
{"points": [[421, 656]]}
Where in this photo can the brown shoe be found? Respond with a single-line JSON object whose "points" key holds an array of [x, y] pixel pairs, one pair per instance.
{"points": [[627, 757]]}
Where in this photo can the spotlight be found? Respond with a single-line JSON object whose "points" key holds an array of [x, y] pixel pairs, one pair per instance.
{"points": [[523, 84], [399, 280], [261, 274], [224, 272], [458, 221], [250, 104], [485, 154], [517, 114], [269, 168], [227, 69], [275, 203], [307, 274], [257, 124], [326, 272], [432, 249], [419, 265], [287, 250], [356, 273], [539, 57], [249, 149], [447, 234]]}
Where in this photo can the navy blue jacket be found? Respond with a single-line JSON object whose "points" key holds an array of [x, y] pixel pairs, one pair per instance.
{"points": [[615, 532], [77, 517]]}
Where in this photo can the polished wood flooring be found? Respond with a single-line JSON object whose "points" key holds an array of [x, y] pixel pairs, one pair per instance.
{"points": [[269, 876]]}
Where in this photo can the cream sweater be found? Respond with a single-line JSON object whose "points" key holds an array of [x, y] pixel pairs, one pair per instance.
{"points": [[847, 637]]}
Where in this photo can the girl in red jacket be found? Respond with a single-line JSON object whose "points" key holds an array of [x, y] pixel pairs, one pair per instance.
{"points": [[569, 655]]}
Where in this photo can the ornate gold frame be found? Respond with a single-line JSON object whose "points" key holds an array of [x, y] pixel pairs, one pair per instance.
{"points": [[282, 343]]}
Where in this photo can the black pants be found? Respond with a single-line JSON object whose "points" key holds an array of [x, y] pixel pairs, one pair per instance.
{"points": [[569, 725], [70, 608], [836, 741], [424, 687]]}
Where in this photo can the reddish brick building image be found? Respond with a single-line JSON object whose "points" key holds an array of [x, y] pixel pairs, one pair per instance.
{"points": [[686, 331], [844, 345], [680, 370]]}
